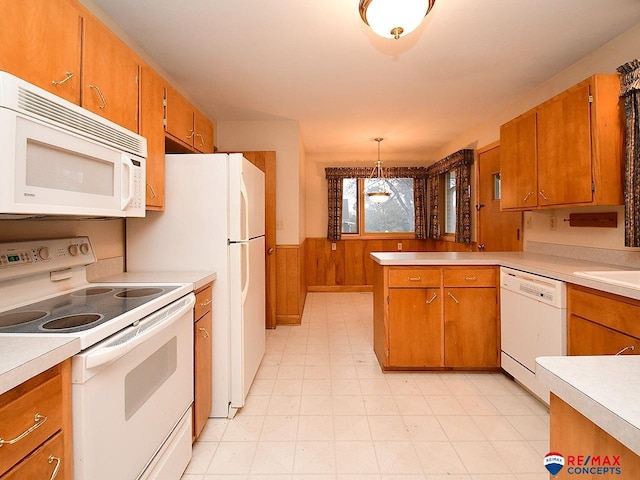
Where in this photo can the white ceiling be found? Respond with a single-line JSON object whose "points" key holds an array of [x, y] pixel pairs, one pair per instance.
{"points": [[318, 63]]}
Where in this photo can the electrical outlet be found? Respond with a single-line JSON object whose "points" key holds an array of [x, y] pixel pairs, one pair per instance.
{"points": [[399, 246], [279, 224], [553, 222], [333, 246], [527, 222]]}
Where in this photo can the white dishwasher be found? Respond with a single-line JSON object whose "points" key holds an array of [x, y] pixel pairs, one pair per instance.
{"points": [[533, 324]]}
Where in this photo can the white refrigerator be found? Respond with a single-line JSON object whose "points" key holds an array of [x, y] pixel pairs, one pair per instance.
{"points": [[214, 220]]}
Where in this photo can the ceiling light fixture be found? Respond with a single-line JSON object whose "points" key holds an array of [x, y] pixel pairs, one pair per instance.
{"points": [[381, 194], [394, 18]]}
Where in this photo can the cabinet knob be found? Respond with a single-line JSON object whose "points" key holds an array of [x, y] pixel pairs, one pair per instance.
{"points": [[102, 99], [52, 459], [454, 298], [414, 279], [68, 76], [541, 192], [435, 295], [38, 420], [628, 347], [204, 330]]}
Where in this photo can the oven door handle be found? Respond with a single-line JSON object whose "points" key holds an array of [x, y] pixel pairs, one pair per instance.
{"points": [[133, 336]]}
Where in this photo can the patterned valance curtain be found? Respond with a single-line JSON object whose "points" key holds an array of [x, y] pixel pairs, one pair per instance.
{"points": [[461, 162], [334, 186], [630, 91]]}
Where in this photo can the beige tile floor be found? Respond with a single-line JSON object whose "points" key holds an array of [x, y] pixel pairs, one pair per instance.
{"points": [[320, 408]]}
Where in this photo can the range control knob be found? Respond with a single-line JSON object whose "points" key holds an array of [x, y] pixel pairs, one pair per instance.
{"points": [[43, 253], [84, 248], [73, 250]]}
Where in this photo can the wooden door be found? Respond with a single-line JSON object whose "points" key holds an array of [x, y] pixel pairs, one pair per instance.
{"points": [[498, 231], [415, 327], [471, 327], [564, 149], [202, 371], [152, 127], [40, 43], [518, 158], [203, 140], [266, 161], [590, 338], [110, 76], [179, 115]]}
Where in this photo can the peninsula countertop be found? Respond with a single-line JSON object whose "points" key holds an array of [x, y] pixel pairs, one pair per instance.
{"points": [[551, 266]]}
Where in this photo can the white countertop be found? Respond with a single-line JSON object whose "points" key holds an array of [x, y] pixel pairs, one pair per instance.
{"points": [[25, 356], [605, 389], [559, 268]]}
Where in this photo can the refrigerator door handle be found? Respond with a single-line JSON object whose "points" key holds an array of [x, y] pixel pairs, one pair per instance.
{"points": [[245, 199], [245, 287]]}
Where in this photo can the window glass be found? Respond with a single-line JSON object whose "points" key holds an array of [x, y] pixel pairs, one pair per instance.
{"points": [[496, 187], [395, 215], [350, 205], [450, 202]]}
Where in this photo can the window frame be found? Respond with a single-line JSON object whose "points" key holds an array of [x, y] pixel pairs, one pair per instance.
{"points": [[361, 234]]}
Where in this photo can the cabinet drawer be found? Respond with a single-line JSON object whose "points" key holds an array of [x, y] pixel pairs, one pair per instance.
{"points": [[204, 298], [618, 313], [470, 277], [414, 277], [18, 418], [42, 463]]}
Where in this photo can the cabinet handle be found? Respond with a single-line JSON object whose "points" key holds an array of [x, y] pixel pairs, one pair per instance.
{"points": [[414, 279], [206, 334], [435, 295], [454, 298], [206, 302], [102, 99], [153, 192], [526, 197], [55, 470], [68, 76], [471, 279], [201, 139], [628, 347], [37, 419], [541, 192], [190, 136]]}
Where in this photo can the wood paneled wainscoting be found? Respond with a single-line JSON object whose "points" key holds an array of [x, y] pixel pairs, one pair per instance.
{"points": [[349, 268], [291, 289]]}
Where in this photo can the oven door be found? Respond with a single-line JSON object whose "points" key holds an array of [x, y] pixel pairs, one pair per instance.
{"points": [[129, 394]]}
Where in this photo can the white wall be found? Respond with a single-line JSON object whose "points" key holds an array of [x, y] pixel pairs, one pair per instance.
{"points": [[606, 59], [283, 137]]}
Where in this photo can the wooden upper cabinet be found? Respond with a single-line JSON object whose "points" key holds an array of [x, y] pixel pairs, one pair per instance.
{"points": [[567, 151], [185, 124], [152, 88], [110, 75], [40, 43], [518, 162]]}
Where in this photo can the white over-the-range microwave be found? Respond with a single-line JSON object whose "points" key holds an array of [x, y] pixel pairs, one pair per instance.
{"points": [[57, 158]]}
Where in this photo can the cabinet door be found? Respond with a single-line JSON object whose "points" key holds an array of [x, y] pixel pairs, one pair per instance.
{"points": [[589, 338], [415, 327], [471, 327], [203, 141], [40, 43], [518, 159], [564, 149], [110, 76], [202, 379], [48, 459], [152, 88], [179, 115]]}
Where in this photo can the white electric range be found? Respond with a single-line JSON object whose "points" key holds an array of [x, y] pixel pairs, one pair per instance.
{"points": [[133, 380]]}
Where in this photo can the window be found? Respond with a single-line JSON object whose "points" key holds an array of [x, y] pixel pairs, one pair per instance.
{"points": [[361, 216], [497, 190], [450, 202]]}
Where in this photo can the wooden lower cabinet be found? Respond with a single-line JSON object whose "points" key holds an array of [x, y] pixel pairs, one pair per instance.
{"points": [[600, 323], [573, 435], [35, 420], [436, 318], [471, 327], [202, 359], [415, 334]]}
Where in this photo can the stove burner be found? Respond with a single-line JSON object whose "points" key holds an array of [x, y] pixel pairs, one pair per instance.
{"points": [[16, 318], [71, 321], [91, 291], [138, 292]]}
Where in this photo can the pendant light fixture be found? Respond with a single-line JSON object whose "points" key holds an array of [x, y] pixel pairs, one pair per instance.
{"points": [[394, 18], [381, 194]]}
